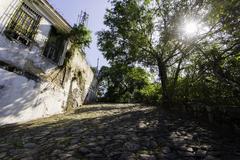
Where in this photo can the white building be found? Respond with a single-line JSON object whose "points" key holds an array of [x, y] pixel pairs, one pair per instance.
{"points": [[34, 83]]}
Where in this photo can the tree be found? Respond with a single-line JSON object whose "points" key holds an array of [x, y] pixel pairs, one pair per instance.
{"points": [[212, 74], [225, 49], [218, 53], [121, 83], [146, 32]]}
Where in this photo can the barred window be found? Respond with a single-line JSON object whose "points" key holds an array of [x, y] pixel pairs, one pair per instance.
{"points": [[24, 23]]}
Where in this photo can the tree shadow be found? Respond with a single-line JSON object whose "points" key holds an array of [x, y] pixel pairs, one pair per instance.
{"points": [[191, 138], [17, 94], [128, 135], [23, 99], [104, 107]]}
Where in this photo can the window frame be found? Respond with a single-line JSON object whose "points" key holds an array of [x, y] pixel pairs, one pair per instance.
{"points": [[53, 49], [23, 25]]}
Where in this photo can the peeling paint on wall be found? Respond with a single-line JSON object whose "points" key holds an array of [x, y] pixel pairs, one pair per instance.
{"points": [[23, 99]]}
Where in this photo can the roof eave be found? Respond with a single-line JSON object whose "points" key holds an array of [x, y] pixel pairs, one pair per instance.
{"points": [[53, 16]]}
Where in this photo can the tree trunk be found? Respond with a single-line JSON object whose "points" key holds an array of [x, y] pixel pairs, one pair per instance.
{"points": [[166, 101], [172, 94]]}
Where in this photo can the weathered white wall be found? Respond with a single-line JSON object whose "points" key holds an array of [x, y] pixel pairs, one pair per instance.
{"points": [[79, 63], [16, 54], [4, 5], [22, 99], [7, 8], [20, 56], [43, 31]]}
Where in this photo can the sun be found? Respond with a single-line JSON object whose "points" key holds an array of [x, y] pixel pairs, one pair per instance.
{"points": [[190, 28]]}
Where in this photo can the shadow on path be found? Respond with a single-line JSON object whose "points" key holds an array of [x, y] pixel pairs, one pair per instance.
{"points": [[115, 132]]}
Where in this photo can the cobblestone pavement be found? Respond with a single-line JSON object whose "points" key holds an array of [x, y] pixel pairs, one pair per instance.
{"points": [[124, 132]]}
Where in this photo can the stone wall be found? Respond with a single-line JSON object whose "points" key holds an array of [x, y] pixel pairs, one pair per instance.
{"points": [[219, 115], [91, 95], [82, 80]]}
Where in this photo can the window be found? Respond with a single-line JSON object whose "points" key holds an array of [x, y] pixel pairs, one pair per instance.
{"points": [[51, 52], [55, 45], [23, 25]]}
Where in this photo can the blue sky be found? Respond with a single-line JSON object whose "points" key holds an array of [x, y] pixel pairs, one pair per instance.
{"points": [[70, 9]]}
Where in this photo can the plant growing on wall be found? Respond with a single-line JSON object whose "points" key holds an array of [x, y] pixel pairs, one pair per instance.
{"points": [[80, 36]]}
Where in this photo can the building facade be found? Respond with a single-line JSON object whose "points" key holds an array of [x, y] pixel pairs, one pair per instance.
{"points": [[34, 81]]}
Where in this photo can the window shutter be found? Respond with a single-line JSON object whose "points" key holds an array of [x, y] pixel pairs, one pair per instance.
{"points": [[62, 57]]}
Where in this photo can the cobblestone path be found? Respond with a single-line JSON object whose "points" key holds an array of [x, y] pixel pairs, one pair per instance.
{"points": [[116, 132]]}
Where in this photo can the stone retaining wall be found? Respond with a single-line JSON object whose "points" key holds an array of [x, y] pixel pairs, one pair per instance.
{"points": [[220, 115]]}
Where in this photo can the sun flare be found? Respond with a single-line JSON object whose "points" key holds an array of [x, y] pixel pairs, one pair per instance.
{"points": [[190, 28]]}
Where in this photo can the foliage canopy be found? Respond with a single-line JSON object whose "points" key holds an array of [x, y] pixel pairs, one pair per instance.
{"points": [[200, 68]]}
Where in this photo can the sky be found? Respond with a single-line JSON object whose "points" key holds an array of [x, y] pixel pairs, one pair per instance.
{"points": [[70, 9]]}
